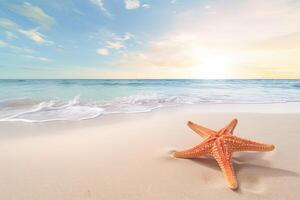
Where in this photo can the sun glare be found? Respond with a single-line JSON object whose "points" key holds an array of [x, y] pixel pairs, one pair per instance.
{"points": [[215, 67]]}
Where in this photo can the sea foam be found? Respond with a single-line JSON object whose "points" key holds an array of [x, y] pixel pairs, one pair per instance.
{"points": [[52, 111]]}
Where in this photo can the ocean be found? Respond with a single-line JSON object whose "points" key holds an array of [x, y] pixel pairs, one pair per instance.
{"points": [[51, 100]]}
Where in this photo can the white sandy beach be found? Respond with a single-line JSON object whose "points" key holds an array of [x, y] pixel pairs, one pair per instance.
{"points": [[127, 156]]}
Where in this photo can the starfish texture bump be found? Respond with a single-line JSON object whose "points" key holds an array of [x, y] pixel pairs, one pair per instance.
{"points": [[220, 145]]}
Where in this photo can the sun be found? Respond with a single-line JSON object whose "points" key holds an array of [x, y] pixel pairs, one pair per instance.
{"points": [[215, 67], [213, 63]]}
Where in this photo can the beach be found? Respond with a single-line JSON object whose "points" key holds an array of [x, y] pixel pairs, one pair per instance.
{"points": [[129, 156], [138, 100]]}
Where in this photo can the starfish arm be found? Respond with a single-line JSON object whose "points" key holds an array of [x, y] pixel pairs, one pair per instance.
{"points": [[240, 144], [202, 149], [223, 158], [230, 127], [202, 131]]}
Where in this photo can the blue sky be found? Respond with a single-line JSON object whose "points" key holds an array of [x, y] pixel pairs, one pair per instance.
{"points": [[147, 38]]}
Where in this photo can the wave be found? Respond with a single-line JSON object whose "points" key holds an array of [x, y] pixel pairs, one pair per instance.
{"points": [[75, 110], [27, 110], [51, 111]]}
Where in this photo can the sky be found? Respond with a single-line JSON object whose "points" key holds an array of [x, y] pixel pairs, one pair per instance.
{"points": [[202, 39]]}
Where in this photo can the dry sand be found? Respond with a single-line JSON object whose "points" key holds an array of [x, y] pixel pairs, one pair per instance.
{"points": [[128, 156]]}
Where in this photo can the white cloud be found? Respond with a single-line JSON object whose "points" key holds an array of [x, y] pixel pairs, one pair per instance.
{"points": [[132, 4], [146, 6], [34, 35], [21, 51], [33, 13], [8, 24], [115, 45], [100, 5], [111, 43], [126, 36], [10, 36], [102, 51], [37, 58], [15, 48], [114, 42]]}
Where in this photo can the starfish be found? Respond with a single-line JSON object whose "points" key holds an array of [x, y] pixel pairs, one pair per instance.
{"points": [[220, 145]]}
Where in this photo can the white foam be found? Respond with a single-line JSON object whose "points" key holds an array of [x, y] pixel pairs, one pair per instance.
{"points": [[53, 111], [75, 110]]}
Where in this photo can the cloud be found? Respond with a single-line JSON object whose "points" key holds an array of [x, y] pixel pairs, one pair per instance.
{"points": [[132, 4], [23, 52], [32, 34], [10, 36], [126, 36], [102, 51], [114, 42], [146, 6], [100, 5], [33, 13], [115, 45], [35, 36], [14, 48], [37, 58], [8, 24]]}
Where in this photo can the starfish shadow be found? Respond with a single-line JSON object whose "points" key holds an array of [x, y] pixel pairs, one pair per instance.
{"points": [[263, 169], [251, 156]]}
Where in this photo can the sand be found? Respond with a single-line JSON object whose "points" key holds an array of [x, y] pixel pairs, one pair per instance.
{"points": [[128, 156]]}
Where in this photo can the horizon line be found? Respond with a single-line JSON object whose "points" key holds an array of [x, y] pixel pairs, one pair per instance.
{"points": [[149, 79]]}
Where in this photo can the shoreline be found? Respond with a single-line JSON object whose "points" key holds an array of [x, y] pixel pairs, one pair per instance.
{"points": [[262, 108]]}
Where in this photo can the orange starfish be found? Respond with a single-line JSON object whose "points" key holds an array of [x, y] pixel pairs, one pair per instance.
{"points": [[220, 145]]}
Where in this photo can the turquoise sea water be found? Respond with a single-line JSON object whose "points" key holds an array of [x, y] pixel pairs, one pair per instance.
{"points": [[48, 100]]}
